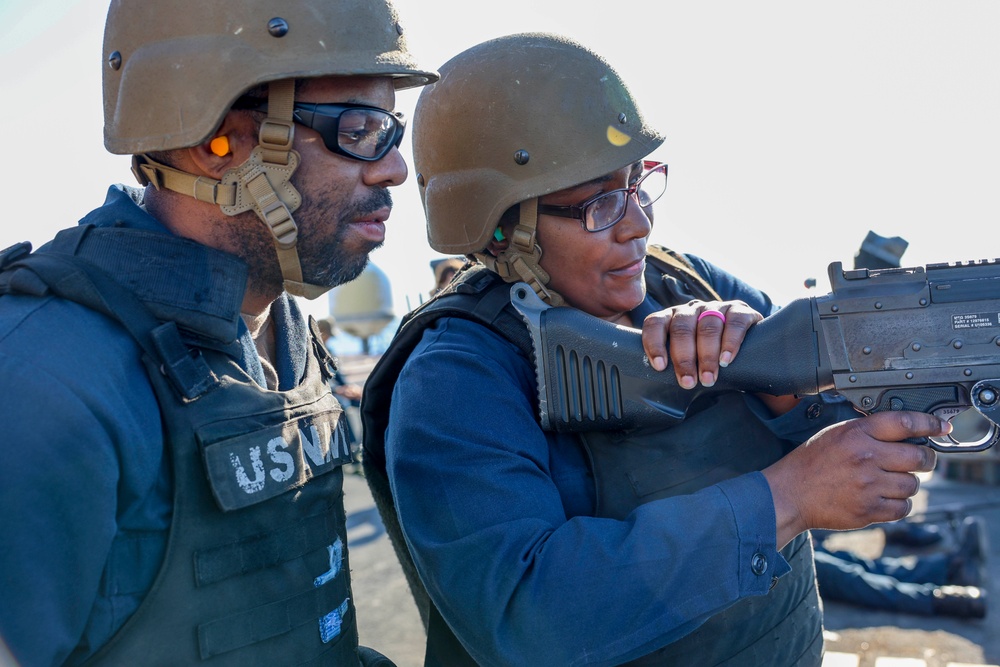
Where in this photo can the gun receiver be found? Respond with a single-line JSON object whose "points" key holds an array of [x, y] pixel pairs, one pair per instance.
{"points": [[921, 339]]}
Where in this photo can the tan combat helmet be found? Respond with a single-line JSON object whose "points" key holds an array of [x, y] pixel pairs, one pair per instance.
{"points": [[172, 70], [510, 120]]}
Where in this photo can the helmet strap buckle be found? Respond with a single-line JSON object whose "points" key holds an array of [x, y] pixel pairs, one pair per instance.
{"points": [[263, 183], [520, 261]]}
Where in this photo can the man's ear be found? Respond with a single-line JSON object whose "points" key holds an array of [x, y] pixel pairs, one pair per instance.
{"points": [[229, 147]]}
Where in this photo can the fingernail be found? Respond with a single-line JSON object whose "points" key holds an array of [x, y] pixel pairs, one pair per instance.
{"points": [[707, 379], [688, 382], [658, 363], [726, 357], [945, 427]]}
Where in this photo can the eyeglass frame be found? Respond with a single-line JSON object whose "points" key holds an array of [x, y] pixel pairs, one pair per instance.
{"points": [[579, 211], [317, 111]]}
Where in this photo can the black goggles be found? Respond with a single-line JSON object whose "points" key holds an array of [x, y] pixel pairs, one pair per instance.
{"points": [[353, 130]]}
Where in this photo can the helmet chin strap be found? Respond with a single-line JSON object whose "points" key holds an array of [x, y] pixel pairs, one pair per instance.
{"points": [[262, 183], [519, 260]]}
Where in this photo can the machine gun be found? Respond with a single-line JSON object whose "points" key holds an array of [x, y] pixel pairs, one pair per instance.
{"points": [[921, 339]]}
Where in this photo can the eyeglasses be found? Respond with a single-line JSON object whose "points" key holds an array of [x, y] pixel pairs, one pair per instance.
{"points": [[353, 130], [608, 208]]}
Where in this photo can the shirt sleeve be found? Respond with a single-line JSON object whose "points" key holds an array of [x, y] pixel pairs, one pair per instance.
{"points": [[66, 484], [54, 552], [485, 502], [810, 415]]}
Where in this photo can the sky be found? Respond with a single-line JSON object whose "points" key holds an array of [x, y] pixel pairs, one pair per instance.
{"points": [[793, 127]]}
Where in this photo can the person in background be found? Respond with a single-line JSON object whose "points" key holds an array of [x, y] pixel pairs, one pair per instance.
{"points": [[912, 533], [348, 391], [681, 546], [171, 443], [947, 582], [444, 270]]}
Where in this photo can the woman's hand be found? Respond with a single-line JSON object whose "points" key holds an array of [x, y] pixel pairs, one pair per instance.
{"points": [[853, 474], [702, 336]]}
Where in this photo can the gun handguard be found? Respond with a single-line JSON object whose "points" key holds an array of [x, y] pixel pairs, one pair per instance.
{"points": [[594, 375]]}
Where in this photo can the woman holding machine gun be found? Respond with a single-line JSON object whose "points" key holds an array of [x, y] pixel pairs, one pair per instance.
{"points": [[681, 546]]}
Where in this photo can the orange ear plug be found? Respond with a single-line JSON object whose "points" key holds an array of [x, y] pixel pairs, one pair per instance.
{"points": [[220, 146]]}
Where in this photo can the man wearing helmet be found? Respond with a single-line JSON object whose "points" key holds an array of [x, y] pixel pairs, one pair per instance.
{"points": [[684, 546], [172, 462]]}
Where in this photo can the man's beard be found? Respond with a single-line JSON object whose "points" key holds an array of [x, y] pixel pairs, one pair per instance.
{"points": [[328, 261], [325, 259]]}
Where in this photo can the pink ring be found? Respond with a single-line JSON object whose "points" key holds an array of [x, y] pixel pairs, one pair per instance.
{"points": [[712, 313]]}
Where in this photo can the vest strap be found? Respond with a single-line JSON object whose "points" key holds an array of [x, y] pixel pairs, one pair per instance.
{"points": [[671, 265]]}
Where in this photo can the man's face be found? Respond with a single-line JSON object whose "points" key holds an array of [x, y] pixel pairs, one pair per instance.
{"points": [[345, 202], [600, 273]]}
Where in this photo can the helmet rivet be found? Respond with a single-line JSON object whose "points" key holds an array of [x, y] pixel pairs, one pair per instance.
{"points": [[521, 157], [399, 30], [622, 118], [115, 60], [420, 180], [278, 27]]}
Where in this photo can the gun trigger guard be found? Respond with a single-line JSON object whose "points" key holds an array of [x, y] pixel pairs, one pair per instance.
{"points": [[941, 444]]}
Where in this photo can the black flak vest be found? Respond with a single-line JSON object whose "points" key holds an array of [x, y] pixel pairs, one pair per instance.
{"points": [[256, 567], [720, 439]]}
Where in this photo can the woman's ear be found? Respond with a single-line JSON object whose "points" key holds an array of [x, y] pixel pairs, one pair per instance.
{"points": [[498, 243]]}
